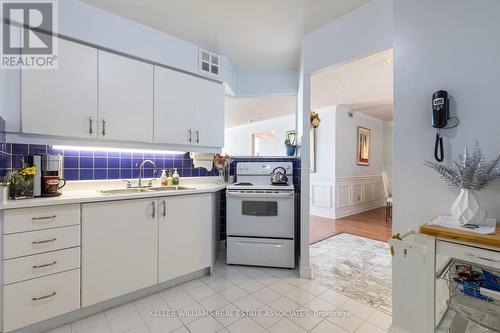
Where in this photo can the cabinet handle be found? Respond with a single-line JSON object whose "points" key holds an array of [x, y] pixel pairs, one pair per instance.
{"points": [[103, 127], [44, 241], [190, 135], [34, 219], [34, 299], [197, 137], [475, 256], [153, 215], [45, 265], [91, 120], [164, 208]]}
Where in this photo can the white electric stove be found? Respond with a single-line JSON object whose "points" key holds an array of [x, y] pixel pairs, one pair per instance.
{"points": [[260, 217]]}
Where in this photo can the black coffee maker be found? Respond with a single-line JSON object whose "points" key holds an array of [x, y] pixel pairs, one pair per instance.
{"points": [[49, 174]]}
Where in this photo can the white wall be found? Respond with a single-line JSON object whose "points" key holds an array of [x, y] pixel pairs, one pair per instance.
{"points": [[388, 125], [346, 144], [451, 45], [340, 187], [267, 83], [323, 180], [238, 140], [360, 33]]}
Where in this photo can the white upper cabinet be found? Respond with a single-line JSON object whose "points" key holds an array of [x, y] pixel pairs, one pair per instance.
{"points": [[125, 99], [62, 101], [101, 95], [173, 106], [209, 113], [188, 110]]}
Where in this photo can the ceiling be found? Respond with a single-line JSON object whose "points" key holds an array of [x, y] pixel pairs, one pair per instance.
{"points": [[244, 110], [363, 85], [256, 35]]}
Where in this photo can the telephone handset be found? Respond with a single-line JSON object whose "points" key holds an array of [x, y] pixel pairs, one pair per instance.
{"points": [[440, 117]]}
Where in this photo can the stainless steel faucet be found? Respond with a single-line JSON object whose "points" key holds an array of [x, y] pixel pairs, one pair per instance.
{"points": [[141, 171]]}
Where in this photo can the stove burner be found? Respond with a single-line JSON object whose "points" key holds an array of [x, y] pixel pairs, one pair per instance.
{"points": [[244, 184]]}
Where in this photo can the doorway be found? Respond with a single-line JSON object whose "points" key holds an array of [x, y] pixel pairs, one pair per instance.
{"points": [[350, 184]]}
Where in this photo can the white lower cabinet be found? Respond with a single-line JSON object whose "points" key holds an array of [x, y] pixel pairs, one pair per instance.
{"points": [[126, 245], [35, 300], [119, 248], [185, 233], [41, 264]]}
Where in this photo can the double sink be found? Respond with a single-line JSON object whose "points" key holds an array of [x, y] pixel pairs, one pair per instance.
{"points": [[145, 189]]}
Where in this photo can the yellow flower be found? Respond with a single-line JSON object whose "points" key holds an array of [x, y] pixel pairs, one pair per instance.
{"points": [[30, 171]]}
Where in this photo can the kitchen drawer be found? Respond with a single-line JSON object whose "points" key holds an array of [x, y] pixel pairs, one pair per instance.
{"points": [[25, 268], [28, 219], [261, 252], [31, 301], [469, 253], [34, 242]]}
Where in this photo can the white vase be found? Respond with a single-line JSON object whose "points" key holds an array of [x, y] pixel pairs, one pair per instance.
{"points": [[467, 210]]}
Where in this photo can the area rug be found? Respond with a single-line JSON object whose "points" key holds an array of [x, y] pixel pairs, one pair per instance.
{"points": [[355, 266]]}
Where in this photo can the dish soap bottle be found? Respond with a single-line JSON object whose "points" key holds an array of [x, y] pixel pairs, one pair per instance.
{"points": [[163, 178], [175, 178], [169, 178]]}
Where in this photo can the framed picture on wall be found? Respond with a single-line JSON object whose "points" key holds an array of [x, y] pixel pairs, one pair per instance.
{"points": [[363, 150], [312, 138]]}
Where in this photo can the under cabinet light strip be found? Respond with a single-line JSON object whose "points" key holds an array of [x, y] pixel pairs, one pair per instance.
{"points": [[118, 150]]}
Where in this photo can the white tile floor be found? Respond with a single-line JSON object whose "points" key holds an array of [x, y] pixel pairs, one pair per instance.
{"points": [[231, 290]]}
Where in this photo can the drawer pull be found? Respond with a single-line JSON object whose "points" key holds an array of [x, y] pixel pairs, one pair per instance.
{"points": [[45, 241], [34, 299], [261, 243], [475, 256], [45, 265], [35, 219]]}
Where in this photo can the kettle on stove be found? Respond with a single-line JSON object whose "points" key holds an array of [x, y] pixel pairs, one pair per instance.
{"points": [[278, 176]]}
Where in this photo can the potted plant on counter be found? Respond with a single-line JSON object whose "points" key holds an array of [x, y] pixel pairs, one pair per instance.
{"points": [[471, 173], [21, 183], [290, 147]]}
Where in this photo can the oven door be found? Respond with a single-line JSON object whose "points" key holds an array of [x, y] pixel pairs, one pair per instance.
{"points": [[260, 214]]}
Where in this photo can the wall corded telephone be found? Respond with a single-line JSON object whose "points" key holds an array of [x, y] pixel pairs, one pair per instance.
{"points": [[440, 117]]}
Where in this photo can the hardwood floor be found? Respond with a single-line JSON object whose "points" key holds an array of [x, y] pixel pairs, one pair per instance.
{"points": [[370, 224]]}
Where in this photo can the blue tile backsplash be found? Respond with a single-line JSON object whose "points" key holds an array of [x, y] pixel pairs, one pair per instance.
{"points": [[88, 165]]}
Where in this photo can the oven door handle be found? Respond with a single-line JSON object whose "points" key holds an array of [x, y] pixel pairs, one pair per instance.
{"points": [[259, 195]]}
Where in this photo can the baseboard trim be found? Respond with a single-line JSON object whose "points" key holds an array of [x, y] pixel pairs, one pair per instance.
{"points": [[356, 210]]}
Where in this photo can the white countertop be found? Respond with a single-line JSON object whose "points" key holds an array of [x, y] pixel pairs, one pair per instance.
{"points": [[88, 191]]}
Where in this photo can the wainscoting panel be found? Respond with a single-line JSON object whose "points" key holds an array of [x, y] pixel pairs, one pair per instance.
{"points": [[368, 191], [344, 195], [358, 194], [323, 197]]}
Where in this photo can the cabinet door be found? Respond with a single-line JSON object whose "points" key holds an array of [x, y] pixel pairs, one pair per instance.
{"points": [[209, 113], [61, 101], [119, 248], [125, 98], [185, 235], [173, 107]]}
